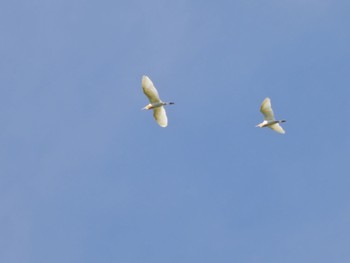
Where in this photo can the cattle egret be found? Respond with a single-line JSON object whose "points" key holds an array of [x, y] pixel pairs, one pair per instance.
{"points": [[269, 119], [155, 102]]}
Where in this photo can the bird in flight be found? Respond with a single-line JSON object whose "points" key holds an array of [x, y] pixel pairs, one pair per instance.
{"points": [[156, 104], [269, 119]]}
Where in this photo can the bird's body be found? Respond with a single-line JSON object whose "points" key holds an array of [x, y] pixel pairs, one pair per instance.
{"points": [[154, 105], [155, 102], [269, 119]]}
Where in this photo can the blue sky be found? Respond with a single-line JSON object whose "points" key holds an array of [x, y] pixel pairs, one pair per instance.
{"points": [[85, 176]]}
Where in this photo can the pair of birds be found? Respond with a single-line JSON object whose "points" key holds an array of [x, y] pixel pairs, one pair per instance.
{"points": [[160, 115]]}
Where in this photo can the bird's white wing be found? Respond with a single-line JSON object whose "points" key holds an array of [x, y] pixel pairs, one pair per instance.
{"points": [[276, 127], [266, 110], [149, 90], [160, 116]]}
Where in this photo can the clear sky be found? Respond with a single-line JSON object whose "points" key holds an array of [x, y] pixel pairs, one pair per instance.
{"points": [[86, 176]]}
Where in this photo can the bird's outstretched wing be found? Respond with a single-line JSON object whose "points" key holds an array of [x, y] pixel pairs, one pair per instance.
{"points": [[276, 127], [266, 110], [149, 90], [160, 116]]}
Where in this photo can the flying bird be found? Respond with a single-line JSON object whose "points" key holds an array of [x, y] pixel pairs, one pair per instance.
{"points": [[269, 119], [155, 102]]}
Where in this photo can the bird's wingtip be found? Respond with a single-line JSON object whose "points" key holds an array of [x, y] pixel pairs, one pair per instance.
{"points": [[146, 81], [145, 78], [163, 125]]}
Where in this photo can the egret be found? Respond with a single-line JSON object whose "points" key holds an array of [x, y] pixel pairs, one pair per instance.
{"points": [[269, 119], [155, 102]]}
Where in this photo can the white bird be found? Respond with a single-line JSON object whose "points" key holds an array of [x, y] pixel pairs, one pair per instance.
{"points": [[269, 119], [155, 102]]}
